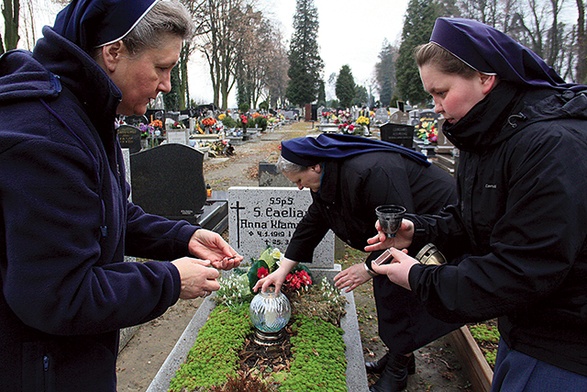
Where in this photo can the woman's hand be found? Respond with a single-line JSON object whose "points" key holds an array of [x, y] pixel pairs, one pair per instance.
{"points": [[208, 245], [277, 277], [198, 278], [398, 270], [402, 239], [352, 277]]}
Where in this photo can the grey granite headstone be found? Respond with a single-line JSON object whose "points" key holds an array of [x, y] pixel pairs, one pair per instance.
{"points": [[168, 180], [267, 216], [129, 137]]}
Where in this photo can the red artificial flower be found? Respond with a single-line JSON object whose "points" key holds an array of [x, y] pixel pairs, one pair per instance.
{"points": [[262, 272]]}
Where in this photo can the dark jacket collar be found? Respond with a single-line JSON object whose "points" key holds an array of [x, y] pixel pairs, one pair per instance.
{"points": [[79, 73], [507, 110]]}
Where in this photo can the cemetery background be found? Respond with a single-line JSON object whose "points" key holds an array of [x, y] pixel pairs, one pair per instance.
{"points": [[438, 367]]}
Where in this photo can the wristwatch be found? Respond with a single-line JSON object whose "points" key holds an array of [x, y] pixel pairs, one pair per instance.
{"points": [[372, 273]]}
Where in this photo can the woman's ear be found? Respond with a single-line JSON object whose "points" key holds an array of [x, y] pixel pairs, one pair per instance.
{"points": [[316, 168], [111, 55], [488, 82]]}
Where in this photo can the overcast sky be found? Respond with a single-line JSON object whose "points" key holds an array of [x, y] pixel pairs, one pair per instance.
{"points": [[351, 32]]}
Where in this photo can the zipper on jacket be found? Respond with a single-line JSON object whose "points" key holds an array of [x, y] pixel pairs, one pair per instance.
{"points": [[45, 363]]}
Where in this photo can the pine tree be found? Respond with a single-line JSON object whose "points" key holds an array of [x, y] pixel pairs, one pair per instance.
{"points": [[418, 24], [345, 87], [305, 63]]}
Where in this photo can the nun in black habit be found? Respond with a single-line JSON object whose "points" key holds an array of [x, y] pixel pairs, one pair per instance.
{"points": [[349, 176]]}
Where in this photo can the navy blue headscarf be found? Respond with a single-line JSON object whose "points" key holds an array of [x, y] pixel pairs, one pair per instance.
{"points": [[308, 151], [490, 51], [93, 23]]}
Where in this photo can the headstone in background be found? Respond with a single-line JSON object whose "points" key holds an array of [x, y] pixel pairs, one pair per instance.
{"points": [[129, 137], [399, 117], [428, 115], [136, 120], [168, 180], [267, 216], [270, 176], [178, 136], [401, 134], [381, 116]]}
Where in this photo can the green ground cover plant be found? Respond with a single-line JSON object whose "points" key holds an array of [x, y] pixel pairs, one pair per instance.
{"points": [[311, 359]]}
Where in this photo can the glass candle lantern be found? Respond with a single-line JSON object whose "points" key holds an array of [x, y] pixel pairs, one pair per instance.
{"points": [[270, 313]]}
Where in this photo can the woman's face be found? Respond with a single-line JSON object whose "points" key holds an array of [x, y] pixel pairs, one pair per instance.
{"points": [[455, 95], [142, 76], [309, 178]]}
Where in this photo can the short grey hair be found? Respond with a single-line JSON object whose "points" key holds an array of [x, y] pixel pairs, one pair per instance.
{"points": [[285, 166], [166, 17]]}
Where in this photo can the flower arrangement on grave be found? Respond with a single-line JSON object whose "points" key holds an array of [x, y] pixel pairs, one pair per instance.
{"points": [[221, 116], [427, 130], [363, 120], [298, 279], [244, 120], [347, 128], [157, 124], [208, 122], [312, 358], [177, 125], [146, 130]]}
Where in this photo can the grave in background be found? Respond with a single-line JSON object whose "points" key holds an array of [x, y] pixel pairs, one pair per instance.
{"points": [[168, 180], [129, 137], [401, 134]]}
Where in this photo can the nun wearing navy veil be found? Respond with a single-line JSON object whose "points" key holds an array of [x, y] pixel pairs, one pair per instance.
{"points": [[65, 219], [520, 226], [349, 177]]}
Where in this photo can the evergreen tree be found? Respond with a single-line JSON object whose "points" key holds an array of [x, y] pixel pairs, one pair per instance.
{"points": [[385, 72], [305, 63], [418, 24], [345, 87], [321, 94], [171, 99]]}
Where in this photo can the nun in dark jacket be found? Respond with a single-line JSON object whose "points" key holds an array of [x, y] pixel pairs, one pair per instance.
{"points": [[521, 218], [65, 220], [349, 177]]}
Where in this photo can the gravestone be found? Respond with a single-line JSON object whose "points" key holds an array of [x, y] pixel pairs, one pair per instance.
{"points": [[136, 120], [129, 137], [399, 117], [401, 134], [381, 116], [168, 180], [267, 216], [178, 136]]}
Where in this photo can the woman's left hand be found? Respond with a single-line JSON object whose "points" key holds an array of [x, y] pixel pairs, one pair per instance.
{"points": [[352, 277], [209, 245], [398, 270]]}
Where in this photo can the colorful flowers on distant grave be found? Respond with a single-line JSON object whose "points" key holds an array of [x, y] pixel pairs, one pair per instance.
{"points": [[208, 121], [363, 120], [427, 130]]}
